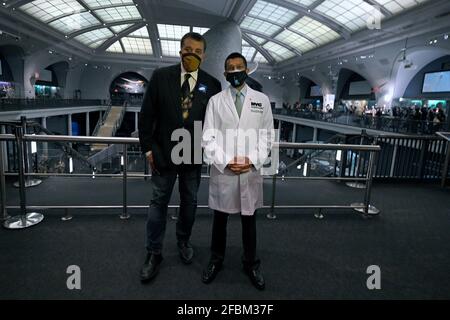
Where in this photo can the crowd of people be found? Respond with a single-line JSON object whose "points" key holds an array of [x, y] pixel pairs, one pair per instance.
{"points": [[411, 119]]}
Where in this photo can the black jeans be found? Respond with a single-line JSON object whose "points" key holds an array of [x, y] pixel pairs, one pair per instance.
{"points": [[219, 239], [188, 184]]}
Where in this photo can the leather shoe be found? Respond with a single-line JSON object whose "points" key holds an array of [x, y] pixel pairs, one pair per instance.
{"points": [[256, 277], [211, 271], [186, 252], [151, 267]]}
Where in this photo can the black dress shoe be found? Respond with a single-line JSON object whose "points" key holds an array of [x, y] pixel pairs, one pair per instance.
{"points": [[186, 252], [151, 267], [211, 271], [256, 277]]}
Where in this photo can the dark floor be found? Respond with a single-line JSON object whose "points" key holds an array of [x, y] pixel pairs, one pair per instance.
{"points": [[302, 257]]}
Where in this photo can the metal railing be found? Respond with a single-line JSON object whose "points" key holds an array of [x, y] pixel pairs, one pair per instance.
{"points": [[402, 157], [27, 219], [26, 104], [383, 123]]}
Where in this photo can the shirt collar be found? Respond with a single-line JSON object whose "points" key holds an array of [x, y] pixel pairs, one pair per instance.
{"points": [[194, 74], [234, 91]]}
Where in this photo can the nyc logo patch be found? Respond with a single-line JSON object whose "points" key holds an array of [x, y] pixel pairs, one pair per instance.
{"points": [[256, 107]]}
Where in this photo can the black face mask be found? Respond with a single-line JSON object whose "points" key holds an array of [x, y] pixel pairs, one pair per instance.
{"points": [[237, 79]]}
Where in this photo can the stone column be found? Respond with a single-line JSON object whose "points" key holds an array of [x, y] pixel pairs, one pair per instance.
{"points": [[223, 39]]}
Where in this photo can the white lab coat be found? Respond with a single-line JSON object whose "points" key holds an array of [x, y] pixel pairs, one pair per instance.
{"points": [[229, 192]]}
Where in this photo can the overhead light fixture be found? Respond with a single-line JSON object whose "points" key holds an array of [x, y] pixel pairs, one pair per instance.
{"points": [[446, 37]]}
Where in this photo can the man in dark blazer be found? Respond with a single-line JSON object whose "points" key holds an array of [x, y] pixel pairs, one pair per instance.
{"points": [[176, 98]]}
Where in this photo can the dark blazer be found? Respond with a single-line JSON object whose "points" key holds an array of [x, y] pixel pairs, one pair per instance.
{"points": [[161, 112]]}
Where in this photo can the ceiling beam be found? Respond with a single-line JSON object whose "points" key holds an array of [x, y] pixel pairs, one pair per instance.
{"points": [[147, 9], [290, 48], [307, 37], [315, 4], [383, 9], [288, 27], [342, 30], [241, 9], [106, 25], [87, 9], [120, 35], [17, 3], [259, 48]]}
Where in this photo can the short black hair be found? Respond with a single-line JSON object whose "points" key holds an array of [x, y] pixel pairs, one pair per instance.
{"points": [[235, 55], [195, 36]]}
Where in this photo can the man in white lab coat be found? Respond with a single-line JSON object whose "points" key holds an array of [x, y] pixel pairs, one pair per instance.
{"points": [[237, 137]]}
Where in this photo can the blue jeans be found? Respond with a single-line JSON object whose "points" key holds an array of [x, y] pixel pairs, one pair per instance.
{"points": [[188, 184]]}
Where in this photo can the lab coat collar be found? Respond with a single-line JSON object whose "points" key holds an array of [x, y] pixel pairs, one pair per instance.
{"points": [[231, 97], [243, 91]]}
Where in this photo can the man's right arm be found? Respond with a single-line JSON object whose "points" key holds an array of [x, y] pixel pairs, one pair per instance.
{"points": [[148, 115]]}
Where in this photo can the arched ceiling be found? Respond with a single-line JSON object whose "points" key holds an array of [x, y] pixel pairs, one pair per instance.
{"points": [[273, 30]]}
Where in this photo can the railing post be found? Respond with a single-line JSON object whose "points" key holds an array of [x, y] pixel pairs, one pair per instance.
{"points": [[4, 213], [422, 161], [271, 215], [445, 167], [29, 182], [24, 220], [368, 209], [369, 183], [125, 215], [67, 216], [357, 184]]}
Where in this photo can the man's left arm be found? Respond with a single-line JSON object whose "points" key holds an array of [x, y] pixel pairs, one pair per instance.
{"points": [[266, 138]]}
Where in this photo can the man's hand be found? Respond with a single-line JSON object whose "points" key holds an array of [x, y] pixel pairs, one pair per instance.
{"points": [[151, 161], [240, 165]]}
